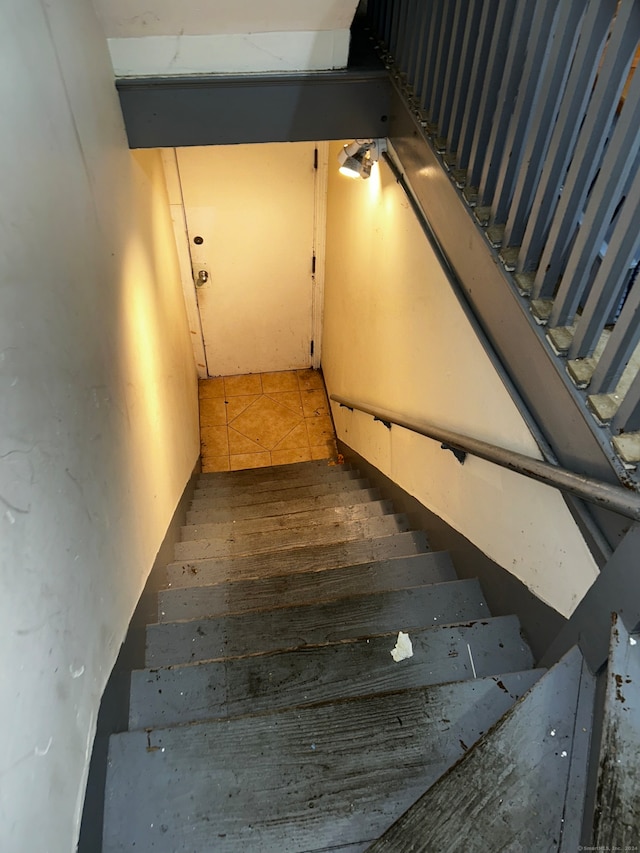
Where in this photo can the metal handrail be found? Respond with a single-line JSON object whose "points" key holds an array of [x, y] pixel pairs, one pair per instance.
{"points": [[611, 497]]}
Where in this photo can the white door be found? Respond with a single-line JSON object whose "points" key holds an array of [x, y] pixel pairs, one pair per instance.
{"points": [[250, 220]]}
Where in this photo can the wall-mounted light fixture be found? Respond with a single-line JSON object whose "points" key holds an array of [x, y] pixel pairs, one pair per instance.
{"points": [[357, 158]]}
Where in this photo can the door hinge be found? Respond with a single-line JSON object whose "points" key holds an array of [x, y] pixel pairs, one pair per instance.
{"points": [[312, 348], [315, 159], [313, 264]]}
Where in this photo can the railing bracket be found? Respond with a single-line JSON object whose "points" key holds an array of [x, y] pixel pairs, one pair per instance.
{"points": [[382, 421], [460, 455]]}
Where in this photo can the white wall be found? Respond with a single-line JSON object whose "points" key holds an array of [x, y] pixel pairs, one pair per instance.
{"points": [[243, 36], [131, 18], [395, 336], [98, 423]]}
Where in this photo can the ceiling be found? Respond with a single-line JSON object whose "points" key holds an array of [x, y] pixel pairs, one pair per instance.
{"points": [[164, 38]]}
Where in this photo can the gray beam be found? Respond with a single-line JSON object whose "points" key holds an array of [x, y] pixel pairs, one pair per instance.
{"points": [[166, 112]]}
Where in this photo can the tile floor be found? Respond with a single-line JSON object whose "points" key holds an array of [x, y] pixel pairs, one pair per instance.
{"points": [[261, 419]]}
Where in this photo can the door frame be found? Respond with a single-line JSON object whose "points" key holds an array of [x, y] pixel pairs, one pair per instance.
{"points": [[181, 236], [178, 218], [319, 249]]}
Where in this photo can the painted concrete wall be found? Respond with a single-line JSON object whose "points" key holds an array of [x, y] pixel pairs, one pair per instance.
{"points": [[243, 36], [132, 18], [98, 421], [395, 336]]}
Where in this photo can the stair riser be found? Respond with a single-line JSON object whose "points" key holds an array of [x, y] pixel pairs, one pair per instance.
{"points": [[286, 628], [304, 536], [274, 484], [222, 530], [275, 508], [338, 671], [289, 471], [305, 588], [253, 497], [200, 572], [340, 774]]}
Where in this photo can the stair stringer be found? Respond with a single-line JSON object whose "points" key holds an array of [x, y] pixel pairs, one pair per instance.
{"points": [[511, 790], [556, 409], [616, 822]]}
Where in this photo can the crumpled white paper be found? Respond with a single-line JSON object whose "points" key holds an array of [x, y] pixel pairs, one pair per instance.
{"points": [[403, 648]]}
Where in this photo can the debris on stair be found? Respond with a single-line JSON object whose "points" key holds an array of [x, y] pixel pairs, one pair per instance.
{"points": [[403, 648]]}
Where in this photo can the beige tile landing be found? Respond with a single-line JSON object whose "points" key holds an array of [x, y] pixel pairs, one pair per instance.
{"points": [[262, 419]]}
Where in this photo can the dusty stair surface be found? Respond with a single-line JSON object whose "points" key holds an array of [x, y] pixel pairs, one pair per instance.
{"points": [[521, 787], [271, 715], [559, 772]]}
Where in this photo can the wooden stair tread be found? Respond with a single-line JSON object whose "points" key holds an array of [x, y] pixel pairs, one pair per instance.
{"points": [[347, 497], [333, 555], [304, 518], [304, 587], [362, 667], [306, 534], [292, 627], [508, 792], [271, 715], [213, 498], [261, 484], [302, 779]]}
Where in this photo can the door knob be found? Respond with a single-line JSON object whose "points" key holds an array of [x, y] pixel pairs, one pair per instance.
{"points": [[203, 278]]}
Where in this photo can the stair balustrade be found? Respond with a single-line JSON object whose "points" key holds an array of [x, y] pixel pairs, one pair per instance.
{"points": [[533, 109]]}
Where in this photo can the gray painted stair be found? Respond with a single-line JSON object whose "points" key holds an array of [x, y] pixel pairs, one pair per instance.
{"points": [[298, 779], [272, 481], [302, 535], [271, 715], [271, 523], [294, 504], [304, 587], [264, 631], [321, 673], [508, 792], [214, 499], [332, 556]]}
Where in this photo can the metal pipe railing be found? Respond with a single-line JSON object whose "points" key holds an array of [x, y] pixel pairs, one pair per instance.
{"points": [[614, 498]]}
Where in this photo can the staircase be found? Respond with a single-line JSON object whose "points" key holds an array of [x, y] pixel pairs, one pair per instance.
{"points": [[271, 715]]}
